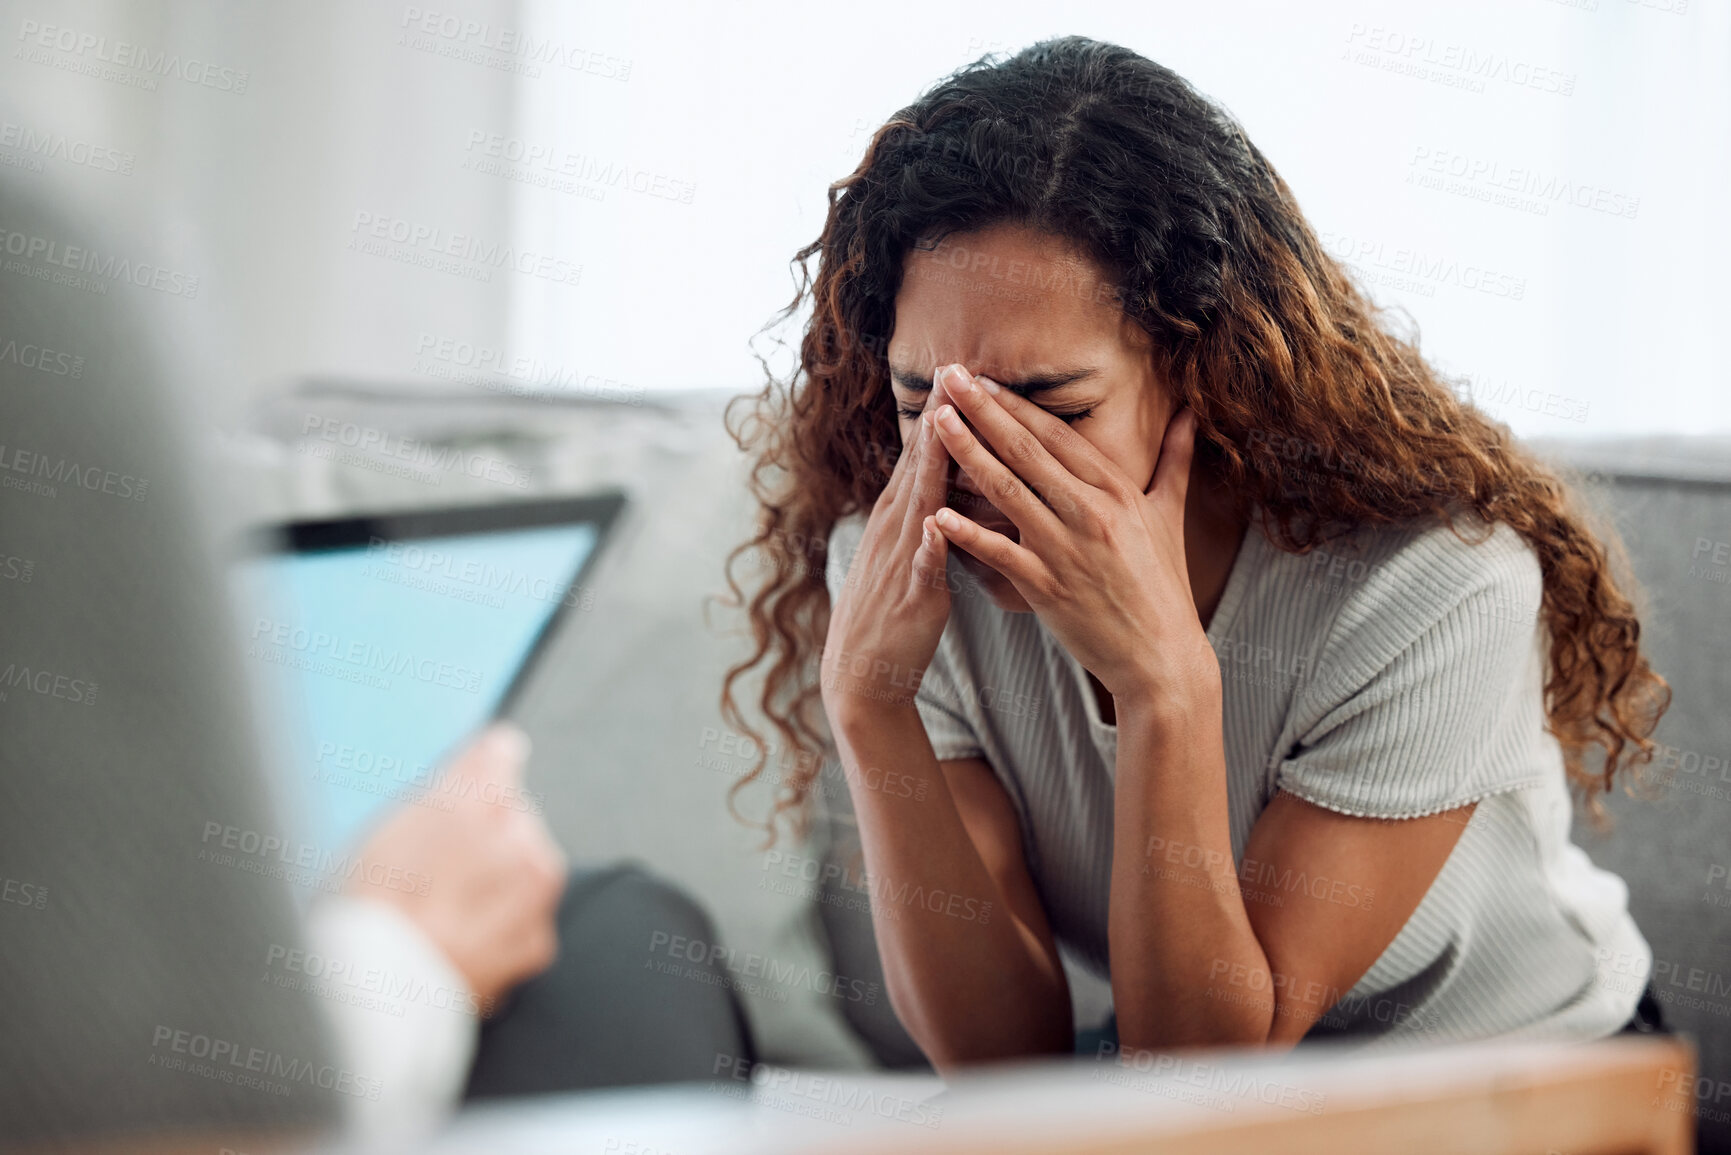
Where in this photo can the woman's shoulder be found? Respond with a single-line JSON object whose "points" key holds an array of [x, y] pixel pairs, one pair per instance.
{"points": [[843, 541], [1473, 587], [1425, 688], [1426, 569], [849, 528]]}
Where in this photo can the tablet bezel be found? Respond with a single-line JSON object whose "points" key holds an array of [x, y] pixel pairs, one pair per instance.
{"points": [[358, 530]]}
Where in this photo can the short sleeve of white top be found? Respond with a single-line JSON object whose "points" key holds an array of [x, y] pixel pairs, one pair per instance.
{"points": [[1395, 673]]}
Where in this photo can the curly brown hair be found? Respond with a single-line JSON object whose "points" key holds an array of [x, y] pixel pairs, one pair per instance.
{"points": [[1310, 406]]}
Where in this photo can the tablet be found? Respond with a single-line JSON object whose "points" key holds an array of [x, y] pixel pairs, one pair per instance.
{"points": [[386, 640]]}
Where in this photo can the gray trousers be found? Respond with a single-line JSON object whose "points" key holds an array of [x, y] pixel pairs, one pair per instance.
{"points": [[605, 1014]]}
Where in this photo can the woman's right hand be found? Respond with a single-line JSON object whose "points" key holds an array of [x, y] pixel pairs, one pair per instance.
{"points": [[885, 624]]}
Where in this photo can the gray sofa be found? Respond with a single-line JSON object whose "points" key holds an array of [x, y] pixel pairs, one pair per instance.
{"points": [[635, 762], [1670, 498]]}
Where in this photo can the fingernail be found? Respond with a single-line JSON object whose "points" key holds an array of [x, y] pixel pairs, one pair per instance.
{"points": [[947, 415], [508, 741], [989, 385], [947, 519], [958, 380]]}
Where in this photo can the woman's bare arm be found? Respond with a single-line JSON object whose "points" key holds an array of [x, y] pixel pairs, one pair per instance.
{"points": [[1209, 952], [967, 953], [969, 959]]}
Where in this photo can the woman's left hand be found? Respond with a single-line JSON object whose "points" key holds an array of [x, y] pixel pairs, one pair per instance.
{"points": [[1100, 560]]}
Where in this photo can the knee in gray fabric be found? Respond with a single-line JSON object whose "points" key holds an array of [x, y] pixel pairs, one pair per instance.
{"points": [[630, 891]]}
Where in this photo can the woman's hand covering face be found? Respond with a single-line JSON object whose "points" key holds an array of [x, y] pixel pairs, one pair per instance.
{"points": [[1100, 560], [886, 621]]}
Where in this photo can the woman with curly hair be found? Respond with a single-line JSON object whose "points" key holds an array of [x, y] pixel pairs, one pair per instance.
{"points": [[1244, 660]]}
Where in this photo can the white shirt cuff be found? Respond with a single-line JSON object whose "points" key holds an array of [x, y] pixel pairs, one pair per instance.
{"points": [[403, 1015]]}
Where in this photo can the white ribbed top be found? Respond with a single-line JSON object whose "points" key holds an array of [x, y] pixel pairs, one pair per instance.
{"points": [[1395, 674]]}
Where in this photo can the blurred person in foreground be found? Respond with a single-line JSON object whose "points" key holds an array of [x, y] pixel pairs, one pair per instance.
{"points": [[145, 1003]]}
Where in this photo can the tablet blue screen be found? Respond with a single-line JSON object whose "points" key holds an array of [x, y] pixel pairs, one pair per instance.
{"points": [[385, 658]]}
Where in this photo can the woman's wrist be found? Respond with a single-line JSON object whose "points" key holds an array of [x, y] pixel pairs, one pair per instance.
{"points": [[864, 675], [1179, 681], [854, 716]]}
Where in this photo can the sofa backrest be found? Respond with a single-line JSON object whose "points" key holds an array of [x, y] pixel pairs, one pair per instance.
{"points": [[1672, 844]]}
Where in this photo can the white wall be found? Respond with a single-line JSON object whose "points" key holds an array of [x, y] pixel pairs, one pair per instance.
{"points": [[1618, 322], [732, 118], [254, 135]]}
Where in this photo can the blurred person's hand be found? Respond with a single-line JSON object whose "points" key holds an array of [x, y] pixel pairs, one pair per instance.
{"points": [[482, 879]]}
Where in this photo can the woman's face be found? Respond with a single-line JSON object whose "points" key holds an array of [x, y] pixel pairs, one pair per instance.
{"points": [[1028, 311]]}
